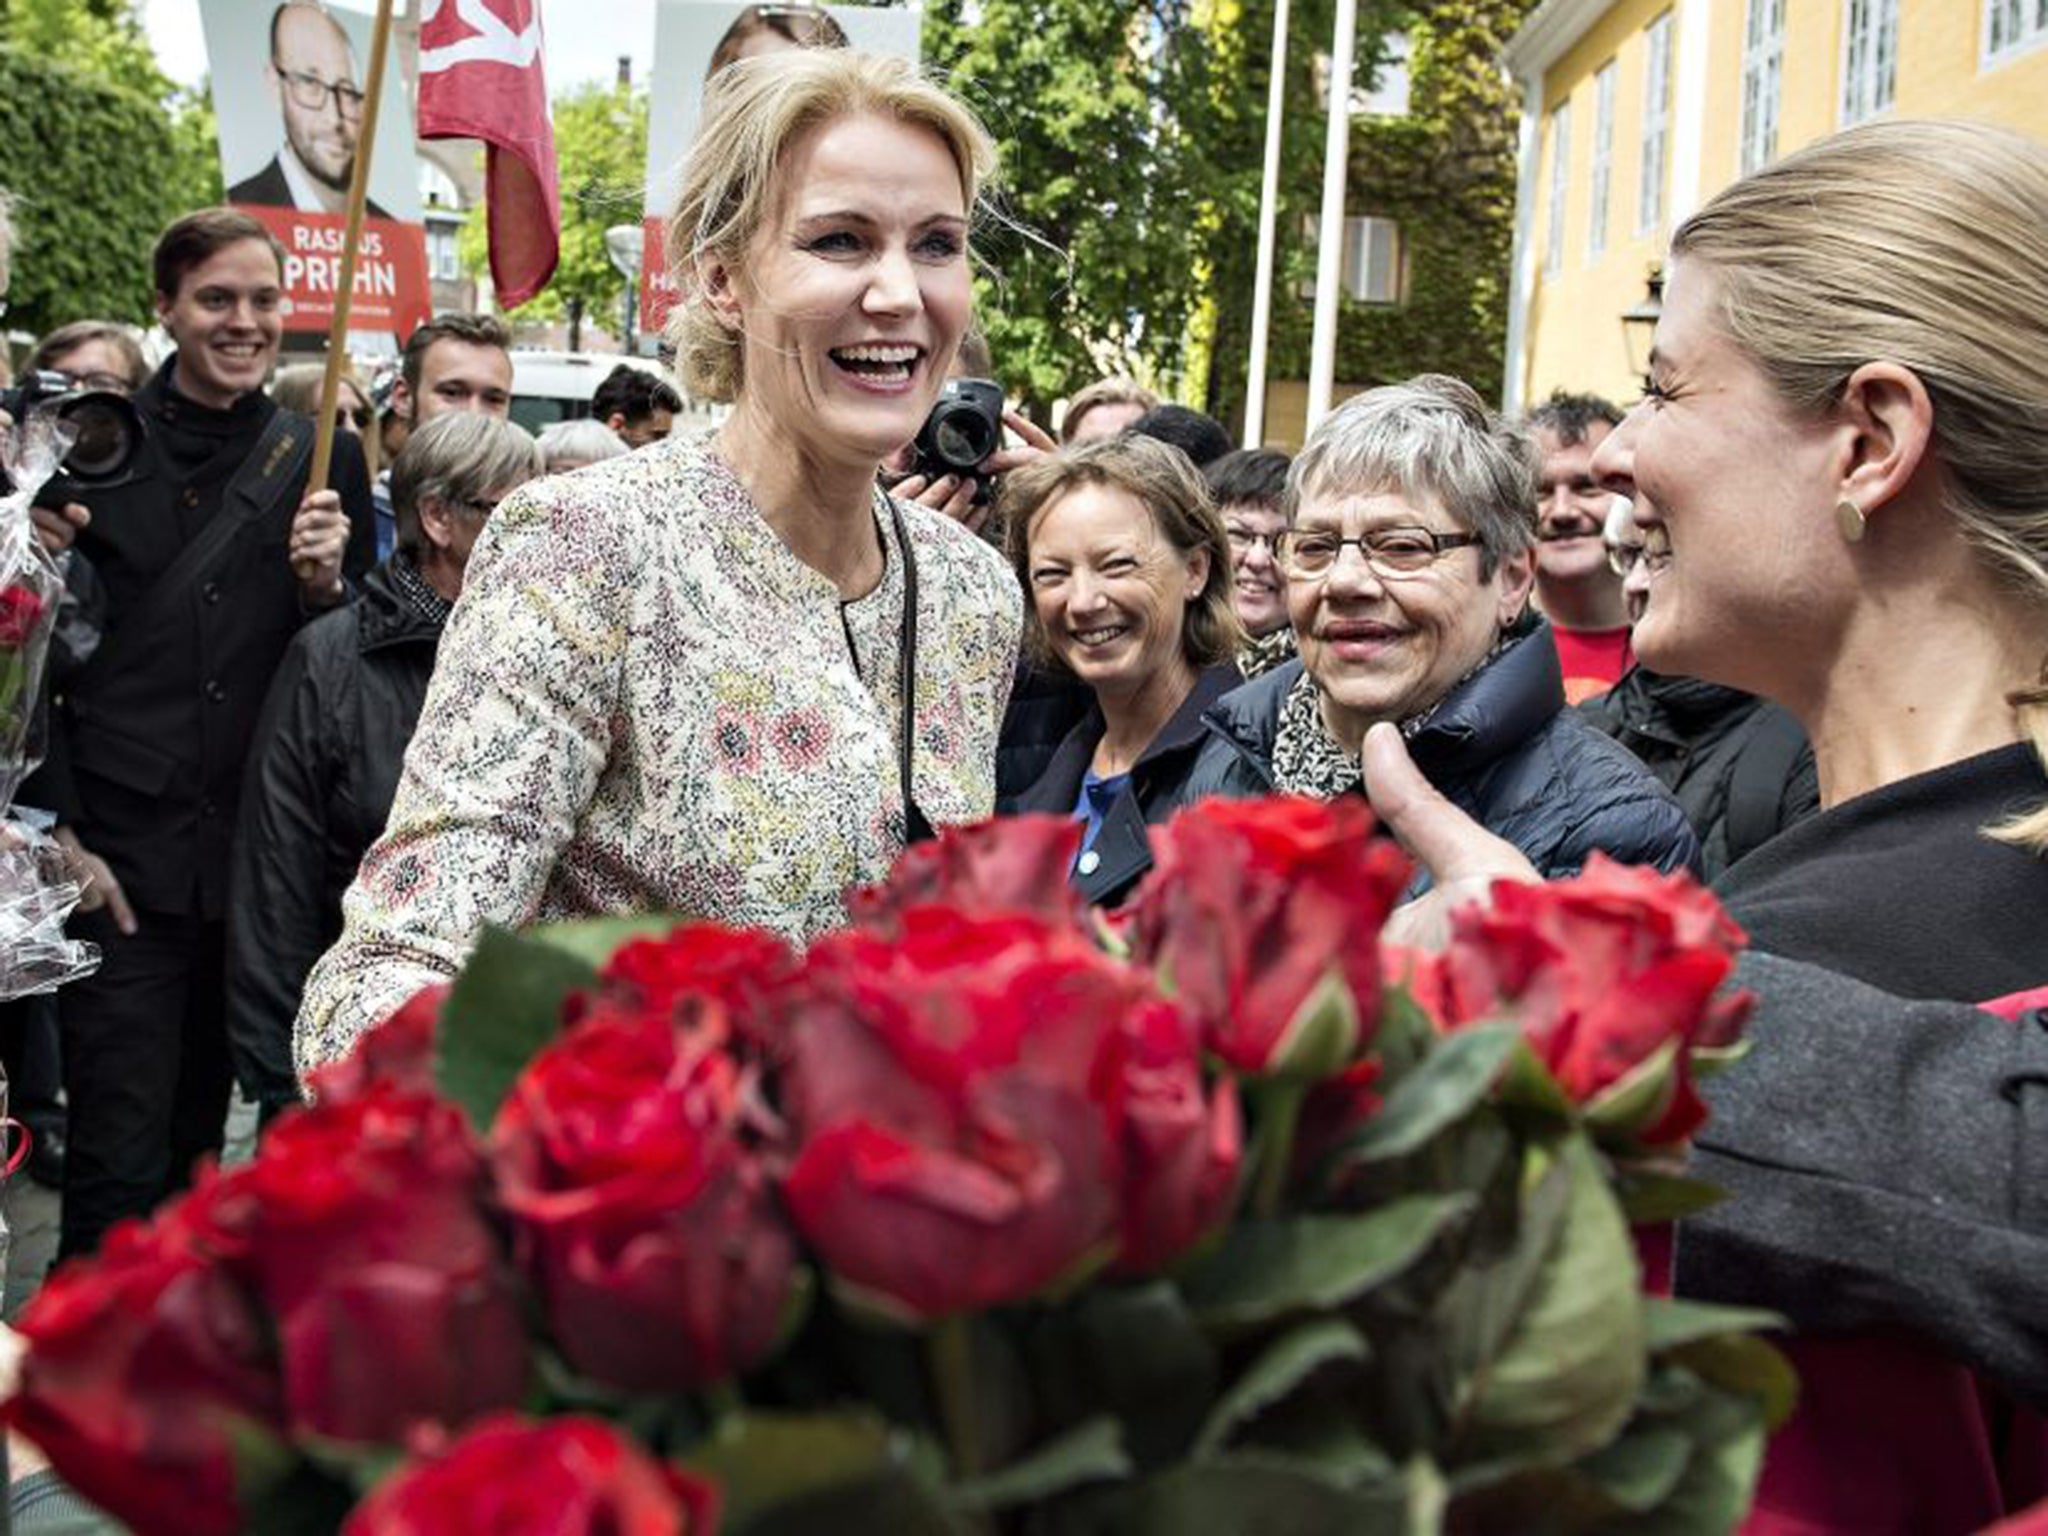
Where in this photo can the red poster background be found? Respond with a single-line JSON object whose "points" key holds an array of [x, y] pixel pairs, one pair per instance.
{"points": [[658, 292], [391, 271]]}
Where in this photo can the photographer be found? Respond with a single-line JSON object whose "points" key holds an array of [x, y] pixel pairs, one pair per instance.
{"points": [[967, 497], [212, 553]]}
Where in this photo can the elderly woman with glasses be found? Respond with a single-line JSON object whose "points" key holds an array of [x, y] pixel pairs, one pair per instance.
{"points": [[324, 766], [1408, 559]]}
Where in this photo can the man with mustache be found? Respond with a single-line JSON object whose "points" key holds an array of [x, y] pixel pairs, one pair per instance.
{"points": [[1575, 587]]}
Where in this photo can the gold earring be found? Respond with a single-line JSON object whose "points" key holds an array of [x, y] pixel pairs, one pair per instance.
{"points": [[1849, 519]]}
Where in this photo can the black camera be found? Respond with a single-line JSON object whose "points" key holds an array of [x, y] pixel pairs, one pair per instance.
{"points": [[106, 432], [965, 427]]}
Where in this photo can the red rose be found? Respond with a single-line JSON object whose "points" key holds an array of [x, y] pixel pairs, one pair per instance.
{"points": [[1252, 907], [956, 1153], [740, 970], [648, 1228], [21, 609], [1603, 972], [1010, 864], [362, 1227], [568, 1476], [1182, 1143], [398, 1053], [148, 1365]]}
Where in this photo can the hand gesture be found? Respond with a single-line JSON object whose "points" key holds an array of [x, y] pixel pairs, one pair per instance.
{"points": [[99, 887], [56, 528], [319, 536]]}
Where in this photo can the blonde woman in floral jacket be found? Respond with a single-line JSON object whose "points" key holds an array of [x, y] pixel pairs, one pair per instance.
{"points": [[675, 681]]}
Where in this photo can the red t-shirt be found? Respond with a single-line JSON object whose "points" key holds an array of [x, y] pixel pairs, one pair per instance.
{"points": [[1593, 660]]}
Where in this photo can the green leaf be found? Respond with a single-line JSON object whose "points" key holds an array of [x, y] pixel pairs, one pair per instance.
{"points": [[1527, 1085], [1089, 1453], [1134, 1352], [1265, 1270], [1639, 1098], [1405, 1035], [1447, 1086], [1745, 1367], [1650, 1196], [504, 1007], [1261, 1495], [1670, 1321], [1323, 1034], [594, 940], [1726, 1439], [800, 1472], [1567, 1375], [1286, 1364], [1640, 1470]]}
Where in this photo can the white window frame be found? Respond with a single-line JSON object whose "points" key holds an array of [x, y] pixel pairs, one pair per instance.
{"points": [[1560, 185], [1653, 161], [1870, 59], [1763, 83], [1601, 178], [2012, 28], [1358, 272]]}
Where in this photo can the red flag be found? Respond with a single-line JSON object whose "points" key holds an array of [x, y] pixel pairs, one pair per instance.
{"points": [[481, 78]]}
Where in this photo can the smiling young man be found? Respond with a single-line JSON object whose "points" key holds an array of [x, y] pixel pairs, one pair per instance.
{"points": [[1576, 589], [212, 554]]}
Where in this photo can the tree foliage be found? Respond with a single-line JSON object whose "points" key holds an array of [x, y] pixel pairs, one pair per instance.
{"points": [[101, 149], [601, 148]]}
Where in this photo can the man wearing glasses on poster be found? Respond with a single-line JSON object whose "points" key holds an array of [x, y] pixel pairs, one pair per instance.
{"points": [[312, 77]]}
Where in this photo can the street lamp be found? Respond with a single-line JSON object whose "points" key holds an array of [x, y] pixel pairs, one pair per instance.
{"points": [[1639, 324], [622, 242]]}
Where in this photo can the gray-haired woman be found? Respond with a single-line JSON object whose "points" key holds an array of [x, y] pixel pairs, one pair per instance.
{"points": [[332, 737], [1408, 559]]}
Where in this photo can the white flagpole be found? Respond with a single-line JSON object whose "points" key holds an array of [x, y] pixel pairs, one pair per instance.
{"points": [[1269, 210], [1322, 366]]}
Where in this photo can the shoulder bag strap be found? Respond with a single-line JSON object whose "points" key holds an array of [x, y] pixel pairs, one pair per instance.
{"points": [[915, 828], [272, 465]]}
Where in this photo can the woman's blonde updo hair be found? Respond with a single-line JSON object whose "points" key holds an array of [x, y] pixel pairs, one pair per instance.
{"points": [[753, 111], [1923, 244]]}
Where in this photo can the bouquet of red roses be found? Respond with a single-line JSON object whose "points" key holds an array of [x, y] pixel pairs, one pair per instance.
{"points": [[981, 1215]]}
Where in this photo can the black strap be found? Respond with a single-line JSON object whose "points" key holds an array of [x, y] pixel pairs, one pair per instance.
{"points": [[915, 828], [272, 465]]}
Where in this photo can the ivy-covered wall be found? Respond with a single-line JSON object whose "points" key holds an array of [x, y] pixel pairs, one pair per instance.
{"points": [[97, 171], [1445, 172]]}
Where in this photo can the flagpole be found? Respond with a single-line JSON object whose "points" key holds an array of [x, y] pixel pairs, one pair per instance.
{"points": [[1322, 365], [358, 196], [1269, 211]]}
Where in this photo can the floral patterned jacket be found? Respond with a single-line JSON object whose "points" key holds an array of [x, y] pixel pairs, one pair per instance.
{"points": [[645, 702]]}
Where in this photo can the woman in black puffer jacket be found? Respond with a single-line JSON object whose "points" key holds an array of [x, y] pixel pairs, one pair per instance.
{"points": [[1408, 560]]}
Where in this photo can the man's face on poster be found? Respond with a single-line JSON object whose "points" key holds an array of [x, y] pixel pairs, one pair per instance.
{"points": [[314, 78]]}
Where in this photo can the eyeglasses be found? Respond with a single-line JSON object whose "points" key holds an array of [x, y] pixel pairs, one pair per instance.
{"points": [[107, 383], [1654, 550], [309, 93], [1243, 541], [1391, 552]]}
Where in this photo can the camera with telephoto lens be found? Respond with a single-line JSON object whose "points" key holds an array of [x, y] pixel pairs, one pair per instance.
{"points": [[965, 427], [106, 433]]}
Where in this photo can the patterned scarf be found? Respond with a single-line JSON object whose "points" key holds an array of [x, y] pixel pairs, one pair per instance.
{"points": [[1265, 652], [416, 590]]}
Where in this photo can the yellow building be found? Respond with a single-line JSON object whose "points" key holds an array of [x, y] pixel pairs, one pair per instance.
{"points": [[1636, 111]]}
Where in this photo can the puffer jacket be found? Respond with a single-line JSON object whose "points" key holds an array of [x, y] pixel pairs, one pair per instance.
{"points": [[1122, 852], [1739, 766], [1503, 748], [322, 773]]}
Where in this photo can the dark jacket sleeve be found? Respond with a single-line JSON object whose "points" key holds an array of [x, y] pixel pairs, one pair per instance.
{"points": [[1639, 829], [278, 918], [1887, 1166]]}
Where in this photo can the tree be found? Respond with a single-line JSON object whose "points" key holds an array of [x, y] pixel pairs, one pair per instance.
{"points": [[103, 151], [601, 148]]}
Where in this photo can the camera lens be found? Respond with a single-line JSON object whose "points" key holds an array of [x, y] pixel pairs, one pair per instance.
{"points": [[105, 439], [962, 439]]}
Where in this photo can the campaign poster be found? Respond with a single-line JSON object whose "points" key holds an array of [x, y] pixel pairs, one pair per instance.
{"points": [[289, 89], [695, 38]]}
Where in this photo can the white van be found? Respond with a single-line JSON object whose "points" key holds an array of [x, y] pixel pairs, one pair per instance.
{"points": [[548, 387]]}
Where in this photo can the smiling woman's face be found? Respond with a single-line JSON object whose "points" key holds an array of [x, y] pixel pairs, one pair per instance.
{"points": [[1387, 649], [855, 291]]}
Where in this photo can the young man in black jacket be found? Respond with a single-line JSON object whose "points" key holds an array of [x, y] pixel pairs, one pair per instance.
{"points": [[212, 553]]}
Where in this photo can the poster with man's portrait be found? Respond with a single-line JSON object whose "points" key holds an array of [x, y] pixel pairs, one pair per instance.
{"points": [[290, 93], [693, 40]]}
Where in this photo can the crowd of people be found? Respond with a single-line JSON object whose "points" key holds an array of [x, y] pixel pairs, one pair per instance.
{"points": [[1781, 623]]}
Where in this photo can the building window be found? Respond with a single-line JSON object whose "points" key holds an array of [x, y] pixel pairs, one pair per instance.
{"points": [[444, 264], [1388, 95], [1870, 57], [1656, 124], [437, 187], [1763, 61], [1603, 159], [1560, 171], [1374, 266], [2013, 26]]}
